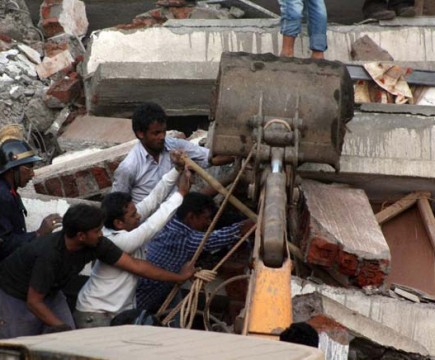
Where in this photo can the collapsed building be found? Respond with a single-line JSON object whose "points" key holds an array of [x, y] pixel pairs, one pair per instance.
{"points": [[365, 235]]}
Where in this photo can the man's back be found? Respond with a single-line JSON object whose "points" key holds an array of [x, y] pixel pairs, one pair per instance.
{"points": [[170, 249]]}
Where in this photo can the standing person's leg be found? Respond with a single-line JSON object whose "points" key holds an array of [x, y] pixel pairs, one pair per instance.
{"points": [[15, 319], [317, 18], [291, 20], [377, 9], [58, 304], [404, 8]]}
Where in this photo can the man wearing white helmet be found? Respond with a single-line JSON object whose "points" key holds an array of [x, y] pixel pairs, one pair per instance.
{"points": [[16, 170]]}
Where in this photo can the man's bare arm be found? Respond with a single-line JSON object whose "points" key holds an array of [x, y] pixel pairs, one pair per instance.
{"points": [[35, 303], [146, 269]]}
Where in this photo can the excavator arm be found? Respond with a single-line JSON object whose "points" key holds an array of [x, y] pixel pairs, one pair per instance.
{"points": [[288, 112]]}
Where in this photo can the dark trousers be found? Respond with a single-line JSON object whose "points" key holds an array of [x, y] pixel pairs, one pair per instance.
{"points": [[16, 320], [383, 4]]}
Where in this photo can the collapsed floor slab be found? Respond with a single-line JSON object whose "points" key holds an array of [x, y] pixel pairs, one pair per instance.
{"points": [[415, 321], [320, 310], [386, 154], [189, 51], [92, 131]]}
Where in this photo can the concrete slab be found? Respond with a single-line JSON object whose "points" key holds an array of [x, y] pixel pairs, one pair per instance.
{"points": [[315, 304], [193, 48], [404, 21], [387, 155], [91, 131], [341, 233], [416, 321], [83, 176], [39, 206], [116, 89], [159, 343]]}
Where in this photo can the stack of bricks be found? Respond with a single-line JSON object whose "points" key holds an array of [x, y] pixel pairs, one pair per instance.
{"points": [[338, 231], [82, 177]]}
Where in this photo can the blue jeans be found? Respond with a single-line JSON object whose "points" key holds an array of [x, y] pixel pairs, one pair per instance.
{"points": [[292, 12], [16, 320]]}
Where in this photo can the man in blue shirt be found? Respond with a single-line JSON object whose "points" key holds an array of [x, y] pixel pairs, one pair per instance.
{"points": [[178, 241], [149, 159]]}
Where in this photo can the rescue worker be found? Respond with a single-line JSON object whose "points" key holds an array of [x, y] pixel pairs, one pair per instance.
{"points": [[16, 170]]}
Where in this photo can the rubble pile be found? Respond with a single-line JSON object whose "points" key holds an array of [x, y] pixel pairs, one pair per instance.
{"points": [[183, 9]]}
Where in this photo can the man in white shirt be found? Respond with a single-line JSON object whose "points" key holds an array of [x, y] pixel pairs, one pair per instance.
{"points": [[110, 290], [149, 159]]}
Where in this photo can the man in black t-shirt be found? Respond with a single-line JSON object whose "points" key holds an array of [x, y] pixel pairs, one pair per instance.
{"points": [[31, 278]]}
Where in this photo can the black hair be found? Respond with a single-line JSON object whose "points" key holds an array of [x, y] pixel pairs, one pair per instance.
{"points": [[114, 206], [82, 218], [300, 333], [146, 114], [195, 203]]}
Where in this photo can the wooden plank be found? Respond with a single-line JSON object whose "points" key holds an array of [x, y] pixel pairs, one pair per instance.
{"points": [[400, 206], [419, 5], [428, 219]]}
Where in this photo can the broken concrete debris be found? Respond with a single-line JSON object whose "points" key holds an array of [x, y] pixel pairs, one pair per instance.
{"points": [[339, 232], [41, 87]]}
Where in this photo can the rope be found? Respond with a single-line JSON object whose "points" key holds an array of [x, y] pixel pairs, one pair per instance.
{"points": [[190, 303]]}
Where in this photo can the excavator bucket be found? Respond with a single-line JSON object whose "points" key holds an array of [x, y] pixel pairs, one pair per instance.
{"points": [[320, 93]]}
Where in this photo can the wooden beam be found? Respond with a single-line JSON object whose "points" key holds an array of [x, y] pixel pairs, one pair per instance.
{"points": [[419, 5], [400, 206], [428, 219]]}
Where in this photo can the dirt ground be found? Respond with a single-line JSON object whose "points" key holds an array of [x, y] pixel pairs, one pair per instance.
{"points": [[106, 13]]}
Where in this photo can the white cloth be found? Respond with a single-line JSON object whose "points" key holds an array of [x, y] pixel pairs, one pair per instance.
{"points": [[110, 289], [139, 173]]}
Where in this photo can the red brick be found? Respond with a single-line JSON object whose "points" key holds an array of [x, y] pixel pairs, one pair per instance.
{"points": [[101, 177], [321, 252], [86, 183], [40, 188], [51, 48], [347, 263], [236, 290], [69, 186], [138, 23], [334, 329], [5, 38], [45, 11], [51, 27], [371, 273], [65, 90], [113, 165], [181, 13], [54, 187], [157, 14]]}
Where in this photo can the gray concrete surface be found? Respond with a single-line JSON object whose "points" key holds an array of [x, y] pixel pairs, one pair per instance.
{"points": [[387, 155], [136, 342], [411, 320]]}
